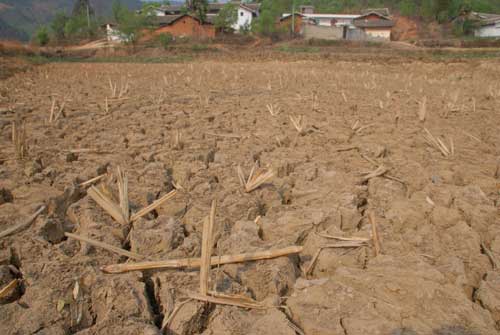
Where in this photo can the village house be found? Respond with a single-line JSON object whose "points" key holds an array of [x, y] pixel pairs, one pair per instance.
{"points": [[487, 25], [185, 25], [247, 12], [374, 26]]}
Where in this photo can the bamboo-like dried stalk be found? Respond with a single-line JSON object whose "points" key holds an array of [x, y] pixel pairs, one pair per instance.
{"points": [[297, 122], [105, 246], [122, 182], [92, 181], [22, 225], [8, 289], [255, 179], [52, 109], [19, 137], [376, 242], [341, 238], [273, 110], [177, 140], [206, 249], [153, 206], [196, 262], [342, 244], [108, 205], [61, 111], [381, 170], [231, 301], [168, 321], [422, 110], [436, 143]]}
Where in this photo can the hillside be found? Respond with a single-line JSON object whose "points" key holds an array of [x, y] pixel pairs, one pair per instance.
{"points": [[20, 18]]}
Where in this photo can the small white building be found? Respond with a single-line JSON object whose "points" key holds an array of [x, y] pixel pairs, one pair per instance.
{"points": [[113, 34], [246, 13], [488, 25], [329, 20]]}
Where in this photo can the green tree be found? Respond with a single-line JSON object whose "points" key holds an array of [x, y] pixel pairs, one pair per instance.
{"points": [[132, 24], [227, 17], [408, 8], [58, 24], [82, 8], [165, 39], [116, 9], [42, 36], [199, 8]]}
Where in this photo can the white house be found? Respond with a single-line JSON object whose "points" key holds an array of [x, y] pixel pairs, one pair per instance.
{"points": [[488, 25], [246, 13], [113, 34], [329, 20]]}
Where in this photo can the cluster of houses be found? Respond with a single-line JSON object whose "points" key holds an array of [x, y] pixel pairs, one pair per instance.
{"points": [[373, 24], [370, 24]]}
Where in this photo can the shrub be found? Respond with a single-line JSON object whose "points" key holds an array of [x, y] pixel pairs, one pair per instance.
{"points": [[165, 39], [42, 36]]}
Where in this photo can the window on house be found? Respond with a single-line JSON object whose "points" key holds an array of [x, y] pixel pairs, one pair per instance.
{"points": [[241, 13]]}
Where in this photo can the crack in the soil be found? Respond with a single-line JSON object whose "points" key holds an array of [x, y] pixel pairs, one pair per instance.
{"points": [[158, 316], [341, 321]]}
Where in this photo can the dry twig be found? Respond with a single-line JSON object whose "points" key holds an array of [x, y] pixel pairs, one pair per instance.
{"points": [[22, 225], [105, 246]]}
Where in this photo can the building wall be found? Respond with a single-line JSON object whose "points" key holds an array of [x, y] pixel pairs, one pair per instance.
{"points": [[378, 33], [286, 24], [324, 33], [488, 31], [188, 26], [244, 19]]}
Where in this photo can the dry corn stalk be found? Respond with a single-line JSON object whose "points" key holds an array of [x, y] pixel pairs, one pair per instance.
{"points": [[52, 110], [19, 138], [381, 170], [342, 244], [178, 145], [255, 179], [121, 212], [273, 110], [438, 144], [376, 242], [122, 182], [105, 246], [206, 249], [8, 289], [228, 300], [297, 123], [108, 205], [422, 110], [196, 262]]}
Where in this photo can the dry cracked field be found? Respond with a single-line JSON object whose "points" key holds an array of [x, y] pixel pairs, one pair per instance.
{"points": [[399, 228]]}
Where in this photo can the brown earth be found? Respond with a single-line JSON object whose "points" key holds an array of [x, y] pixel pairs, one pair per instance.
{"points": [[437, 216]]}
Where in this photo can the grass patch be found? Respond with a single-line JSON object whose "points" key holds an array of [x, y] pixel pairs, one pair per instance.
{"points": [[443, 55], [298, 49], [38, 59]]}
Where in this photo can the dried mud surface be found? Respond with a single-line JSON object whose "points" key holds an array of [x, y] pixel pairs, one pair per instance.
{"points": [[437, 217]]}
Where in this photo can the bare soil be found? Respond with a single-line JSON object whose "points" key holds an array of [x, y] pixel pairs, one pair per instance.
{"points": [[437, 216]]}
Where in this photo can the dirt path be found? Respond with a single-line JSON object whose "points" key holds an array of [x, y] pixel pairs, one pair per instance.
{"points": [[436, 215]]}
